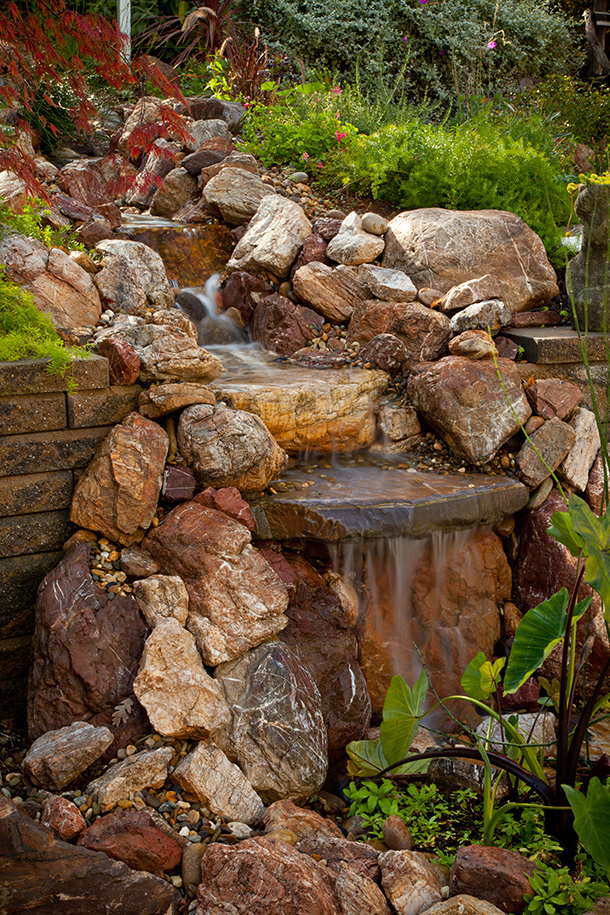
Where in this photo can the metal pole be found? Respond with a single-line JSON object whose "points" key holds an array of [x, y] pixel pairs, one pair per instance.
{"points": [[124, 19]]}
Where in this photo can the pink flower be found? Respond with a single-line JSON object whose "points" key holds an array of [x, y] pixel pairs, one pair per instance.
{"points": [[405, 39], [320, 165], [340, 135], [491, 45], [336, 89], [305, 156]]}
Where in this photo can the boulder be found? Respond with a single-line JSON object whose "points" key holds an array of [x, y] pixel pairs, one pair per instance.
{"points": [[132, 276], [228, 447], [202, 130], [13, 190], [161, 597], [56, 758], [244, 291], [463, 905], [61, 288], [178, 187], [123, 361], [410, 881], [374, 223], [319, 634], [398, 422], [229, 501], [124, 779], [336, 850], [301, 821], [262, 877], [181, 699], [159, 162], [466, 403], [132, 836], [235, 195], [444, 248], [211, 152], [277, 734], [84, 180], [281, 326], [396, 835], [474, 344], [553, 397], [358, 895], [37, 870], [470, 292], [62, 817], [490, 314], [168, 355], [118, 492], [218, 784], [352, 246], [497, 875], [327, 227], [236, 600], [161, 399], [313, 250], [179, 484], [544, 451], [205, 108], [385, 352], [334, 292], [274, 237], [587, 273], [85, 650], [534, 727], [146, 112], [388, 285], [424, 333]]}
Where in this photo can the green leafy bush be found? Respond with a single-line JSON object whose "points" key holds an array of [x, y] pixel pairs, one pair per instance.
{"points": [[29, 223], [444, 42]]}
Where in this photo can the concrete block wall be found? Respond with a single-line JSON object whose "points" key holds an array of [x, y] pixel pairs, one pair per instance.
{"points": [[48, 433]]}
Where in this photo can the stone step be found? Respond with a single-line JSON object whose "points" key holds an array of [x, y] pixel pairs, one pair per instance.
{"points": [[556, 344]]}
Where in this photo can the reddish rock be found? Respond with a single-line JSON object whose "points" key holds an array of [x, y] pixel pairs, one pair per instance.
{"points": [[94, 231], [533, 424], [63, 817], [117, 494], [337, 850], [138, 563], [282, 568], [159, 162], [314, 249], [386, 352], [132, 836], [279, 326], [594, 493], [84, 181], [244, 291], [73, 209], [423, 332], [301, 821], [496, 874], [466, 403], [235, 599], [507, 349], [536, 319], [123, 361], [396, 835], [544, 451], [85, 651], [553, 397], [525, 699], [43, 875], [319, 633], [319, 360], [179, 484], [229, 501], [209, 153], [327, 228], [262, 877], [358, 895]]}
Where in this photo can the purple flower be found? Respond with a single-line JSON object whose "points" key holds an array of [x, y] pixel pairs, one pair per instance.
{"points": [[405, 39], [491, 44]]}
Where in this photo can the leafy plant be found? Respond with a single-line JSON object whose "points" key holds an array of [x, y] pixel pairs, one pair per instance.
{"points": [[555, 890]]}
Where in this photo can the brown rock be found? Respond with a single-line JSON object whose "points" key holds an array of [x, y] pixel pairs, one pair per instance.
{"points": [[409, 881], [217, 783], [336, 850], [138, 563], [56, 758], [117, 495], [463, 905], [385, 352], [496, 874], [261, 876], [191, 863], [229, 448], [423, 332], [85, 650], [176, 318], [181, 699], [533, 424], [465, 402], [233, 160], [428, 296], [546, 318], [37, 870], [594, 492], [280, 326], [485, 287], [274, 236], [553, 397], [507, 349], [179, 484], [396, 835], [235, 195], [334, 292], [319, 633], [94, 231], [132, 276], [474, 344], [85, 181], [135, 773], [132, 836], [168, 355], [161, 399], [552, 442], [443, 248], [358, 895], [277, 735], [326, 227], [63, 817], [210, 152], [161, 597], [158, 163], [123, 361], [244, 291], [229, 501], [178, 187], [314, 249], [235, 599], [304, 823], [146, 112]]}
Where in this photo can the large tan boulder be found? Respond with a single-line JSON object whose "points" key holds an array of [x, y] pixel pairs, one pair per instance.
{"points": [[274, 237], [334, 292], [235, 194], [132, 276], [444, 248], [117, 494]]}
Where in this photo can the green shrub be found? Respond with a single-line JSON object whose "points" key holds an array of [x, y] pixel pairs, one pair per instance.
{"points": [[29, 223], [443, 42]]}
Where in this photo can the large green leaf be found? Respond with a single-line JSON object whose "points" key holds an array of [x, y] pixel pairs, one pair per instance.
{"points": [[561, 528], [538, 633], [481, 677], [366, 757], [595, 534], [592, 820], [402, 708]]}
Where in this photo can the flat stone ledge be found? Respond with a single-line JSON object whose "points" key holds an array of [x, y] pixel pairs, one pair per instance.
{"points": [[19, 579], [32, 413], [369, 502], [36, 533], [30, 376], [35, 492], [45, 451], [557, 344], [101, 407]]}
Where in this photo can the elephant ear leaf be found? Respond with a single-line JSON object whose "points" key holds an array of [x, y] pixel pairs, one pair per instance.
{"points": [[595, 535], [482, 677], [538, 633], [592, 820], [402, 709], [562, 529], [366, 758]]}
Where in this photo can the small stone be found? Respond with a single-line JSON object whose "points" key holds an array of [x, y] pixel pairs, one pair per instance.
{"points": [[58, 757], [119, 784], [137, 563], [63, 817], [428, 296], [396, 835], [191, 863], [374, 223]]}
